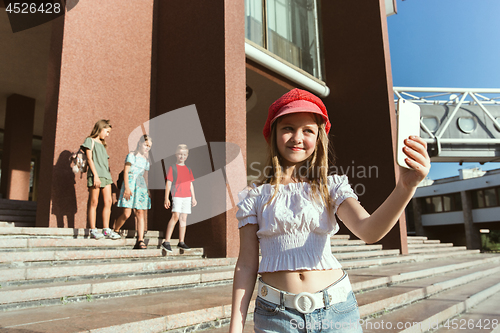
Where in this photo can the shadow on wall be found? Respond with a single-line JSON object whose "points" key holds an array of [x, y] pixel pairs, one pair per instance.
{"points": [[64, 202]]}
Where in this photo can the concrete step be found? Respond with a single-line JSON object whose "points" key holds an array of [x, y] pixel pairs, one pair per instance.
{"points": [[346, 242], [4, 224], [17, 297], [432, 312], [437, 249], [395, 296], [365, 254], [33, 232], [340, 237], [65, 243], [195, 308], [484, 317], [374, 262], [432, 241], [429, 245], [58, 257], [31, 275], [14, 296], [368, 278], [415, 238], [423, 241], [431, 256], [353, 248]]}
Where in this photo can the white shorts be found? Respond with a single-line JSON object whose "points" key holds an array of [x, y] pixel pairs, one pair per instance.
{"points": [[181, 205]]}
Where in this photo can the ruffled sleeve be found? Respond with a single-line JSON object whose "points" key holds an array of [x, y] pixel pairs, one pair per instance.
{"points": [[247, 210], [130, 158], [340, 190], [87, 144]]}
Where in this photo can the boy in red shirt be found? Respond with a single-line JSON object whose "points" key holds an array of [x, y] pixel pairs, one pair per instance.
{"points": [[182, 197]]}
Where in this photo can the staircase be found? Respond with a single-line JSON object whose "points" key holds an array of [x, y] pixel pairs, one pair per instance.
{"points": [[60, 280]]}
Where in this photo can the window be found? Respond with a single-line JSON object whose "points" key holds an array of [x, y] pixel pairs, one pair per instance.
{"points": [[427, 207], [442, 203], [437, 203], [432, 123], [467, 124], [287, 28], [447, 200], [484, 198], [253, 21], [490, 197]]}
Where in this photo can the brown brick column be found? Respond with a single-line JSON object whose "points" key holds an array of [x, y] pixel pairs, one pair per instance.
{"points": [[201, 60], [16, 158], [99, 68], [360, 104]]}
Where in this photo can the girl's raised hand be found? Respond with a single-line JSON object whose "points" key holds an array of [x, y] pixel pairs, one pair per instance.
{"points": [[418, 158]]}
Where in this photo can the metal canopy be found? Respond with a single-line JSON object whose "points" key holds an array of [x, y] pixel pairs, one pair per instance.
{"points": [[459, 125]]}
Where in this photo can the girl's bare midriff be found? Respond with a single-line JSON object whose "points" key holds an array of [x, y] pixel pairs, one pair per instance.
{"points": [[296, 282]]}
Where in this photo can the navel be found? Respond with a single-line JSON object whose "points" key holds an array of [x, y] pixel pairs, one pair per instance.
{"points": [[301, 276]]}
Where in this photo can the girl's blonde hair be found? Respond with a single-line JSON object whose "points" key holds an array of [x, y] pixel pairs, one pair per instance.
{"points": [[316, 166], [103, 123], [143, 139]]}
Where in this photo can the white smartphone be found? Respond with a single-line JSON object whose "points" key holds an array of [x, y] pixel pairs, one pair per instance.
{"points": [[408, 124]]}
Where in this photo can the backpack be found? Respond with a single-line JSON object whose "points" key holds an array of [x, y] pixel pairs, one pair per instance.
{"points": [[79, 160], [174, 176]]}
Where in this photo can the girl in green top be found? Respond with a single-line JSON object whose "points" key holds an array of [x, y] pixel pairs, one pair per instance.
{"points": [[99, 178]]}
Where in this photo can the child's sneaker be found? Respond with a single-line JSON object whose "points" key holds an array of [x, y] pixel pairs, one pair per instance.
{"points": [[111, 234], [95, 234], [183, 245], [166, 246]]}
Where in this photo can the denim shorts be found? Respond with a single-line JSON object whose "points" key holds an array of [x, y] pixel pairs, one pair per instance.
{"points": [[339, 317]]}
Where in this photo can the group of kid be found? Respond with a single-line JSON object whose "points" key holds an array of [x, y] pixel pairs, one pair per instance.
{"points": [[286, 220], [134, 193]]}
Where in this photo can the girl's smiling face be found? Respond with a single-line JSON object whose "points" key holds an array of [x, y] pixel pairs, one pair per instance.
{"points": [[296, 136], [104, 133]]}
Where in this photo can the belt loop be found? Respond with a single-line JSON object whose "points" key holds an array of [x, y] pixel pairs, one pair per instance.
{"points": [[326, 298], [282, 300]]}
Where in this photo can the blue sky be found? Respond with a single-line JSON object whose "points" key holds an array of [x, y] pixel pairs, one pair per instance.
{"points": [[446, 43]]}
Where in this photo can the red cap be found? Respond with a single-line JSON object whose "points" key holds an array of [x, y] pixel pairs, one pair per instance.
{"points": [[296, 100]]}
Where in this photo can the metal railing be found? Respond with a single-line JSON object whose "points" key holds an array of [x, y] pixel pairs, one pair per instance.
{"points": [[453, 100]]}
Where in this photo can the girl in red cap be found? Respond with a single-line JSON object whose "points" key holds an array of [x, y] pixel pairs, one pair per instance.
{"points": [[292, 215]]}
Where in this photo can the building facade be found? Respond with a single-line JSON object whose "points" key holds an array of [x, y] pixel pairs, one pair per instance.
{"points": [[136, 61], [455, 209]]}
